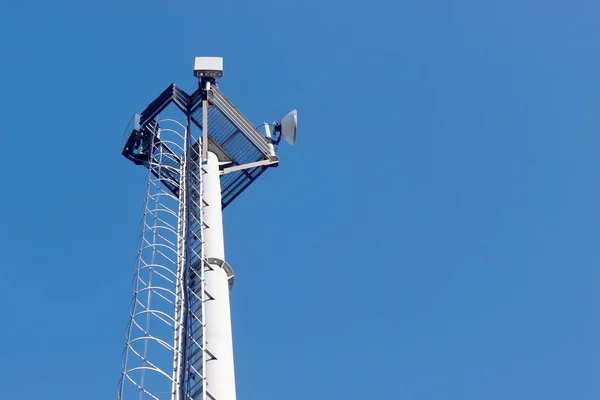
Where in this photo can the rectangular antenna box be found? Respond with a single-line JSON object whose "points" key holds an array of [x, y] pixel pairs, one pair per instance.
{"points": [[208, 66]]}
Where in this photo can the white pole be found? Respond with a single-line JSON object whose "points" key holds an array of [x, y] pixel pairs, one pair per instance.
{"points": [[220, 378]]}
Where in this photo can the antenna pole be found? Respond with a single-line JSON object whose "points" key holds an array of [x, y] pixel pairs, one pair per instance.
{"points": [[205, 87]]}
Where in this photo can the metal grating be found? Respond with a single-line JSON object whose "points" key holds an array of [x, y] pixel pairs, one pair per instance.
{"points": [[231, 137], [238, 150]]}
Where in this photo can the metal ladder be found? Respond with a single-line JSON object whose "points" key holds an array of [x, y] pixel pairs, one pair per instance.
{"points": [[189, 373]]}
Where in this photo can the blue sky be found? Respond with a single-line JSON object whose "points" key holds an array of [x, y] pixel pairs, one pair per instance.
{"points": [[432, 236]]}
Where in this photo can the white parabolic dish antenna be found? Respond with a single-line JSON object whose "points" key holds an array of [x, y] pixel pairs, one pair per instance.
{"points": [[289, 125]]}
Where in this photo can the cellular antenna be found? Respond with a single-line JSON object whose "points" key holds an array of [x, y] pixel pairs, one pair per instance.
{"points": [[201, 153]]}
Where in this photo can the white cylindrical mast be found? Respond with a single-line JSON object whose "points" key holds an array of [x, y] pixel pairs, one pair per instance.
{"points": [[220, 377]]}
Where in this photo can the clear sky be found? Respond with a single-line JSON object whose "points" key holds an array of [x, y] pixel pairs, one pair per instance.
{"points": [[434, 234]]}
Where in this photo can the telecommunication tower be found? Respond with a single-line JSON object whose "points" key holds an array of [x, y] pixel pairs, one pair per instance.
{"points": [[200, 153]]}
